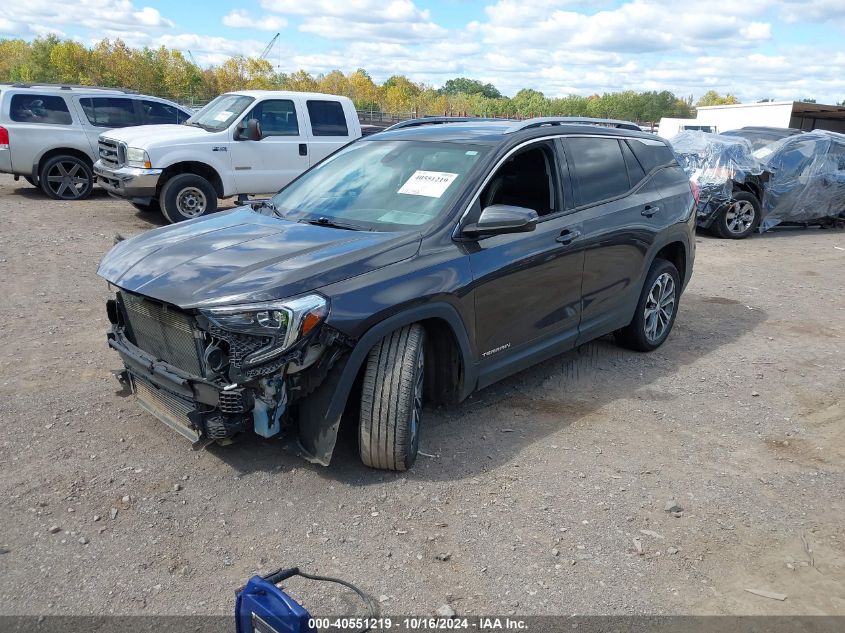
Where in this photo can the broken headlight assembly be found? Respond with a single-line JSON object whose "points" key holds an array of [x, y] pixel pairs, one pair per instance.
{"points": [[286, 322]]}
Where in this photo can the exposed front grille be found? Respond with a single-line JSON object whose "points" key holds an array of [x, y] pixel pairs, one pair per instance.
{"points": [[163, 332], [112, 153], [167, 407]]}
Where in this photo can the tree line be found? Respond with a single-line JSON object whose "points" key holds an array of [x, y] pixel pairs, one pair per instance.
{"points": [[169, 73]]}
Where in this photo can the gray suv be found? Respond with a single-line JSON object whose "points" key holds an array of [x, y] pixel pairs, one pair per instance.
{"points": [[48, 134]]}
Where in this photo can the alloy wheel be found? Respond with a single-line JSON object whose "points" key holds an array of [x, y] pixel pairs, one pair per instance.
{"points": [[416, 412], [659, 307], [739, 217], [67, 180]]}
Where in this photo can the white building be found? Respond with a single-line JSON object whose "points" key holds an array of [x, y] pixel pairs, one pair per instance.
{"points": [[795, 114]]}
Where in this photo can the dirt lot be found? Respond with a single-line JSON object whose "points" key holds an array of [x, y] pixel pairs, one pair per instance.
{"points": [[536, 489]]}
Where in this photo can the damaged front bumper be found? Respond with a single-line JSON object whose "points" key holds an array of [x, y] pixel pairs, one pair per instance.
{"points": [[709, 208]]}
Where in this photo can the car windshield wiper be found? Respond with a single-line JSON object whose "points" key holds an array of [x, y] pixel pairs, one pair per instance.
{"points": [[324, 221]]}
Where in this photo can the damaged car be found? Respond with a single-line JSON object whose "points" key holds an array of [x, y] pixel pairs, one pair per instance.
{"points": [[415, 265], [806, 185], [731, 180]]}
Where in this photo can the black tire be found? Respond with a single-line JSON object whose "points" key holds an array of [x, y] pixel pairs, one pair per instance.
{"points": [[153, 206], [66, 177], [740, 218], [643, 334], [391, 400], [185, 197]]}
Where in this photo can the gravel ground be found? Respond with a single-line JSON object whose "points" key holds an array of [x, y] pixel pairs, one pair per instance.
{"points": [[543, 494]]}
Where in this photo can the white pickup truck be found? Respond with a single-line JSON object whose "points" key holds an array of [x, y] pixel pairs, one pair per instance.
{"points": [[248, 142]]}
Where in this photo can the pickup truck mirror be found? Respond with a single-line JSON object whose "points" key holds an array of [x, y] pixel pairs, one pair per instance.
{"points": [[249, 130], [502, 218]]}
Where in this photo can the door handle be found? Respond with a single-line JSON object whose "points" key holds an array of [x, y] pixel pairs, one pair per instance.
{"points": [[568, 236], [303, 149], [650, 211]]}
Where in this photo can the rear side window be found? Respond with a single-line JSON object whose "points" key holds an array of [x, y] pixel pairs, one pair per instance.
{"points": [[635, 170], [600, 168], [158, 113], [327, 118], [651, 154], [29, 108], [110, 111]]}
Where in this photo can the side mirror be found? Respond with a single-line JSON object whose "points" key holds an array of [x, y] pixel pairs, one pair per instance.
{"points": [[249, 130], [502, 218]]}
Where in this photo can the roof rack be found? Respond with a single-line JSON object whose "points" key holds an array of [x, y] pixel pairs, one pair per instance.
{"points": [[528, 124], [437, 120], [72, 87]]}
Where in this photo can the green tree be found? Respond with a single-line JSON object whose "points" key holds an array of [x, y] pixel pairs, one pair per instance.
{"points": [[711, 98], [464, 85]]}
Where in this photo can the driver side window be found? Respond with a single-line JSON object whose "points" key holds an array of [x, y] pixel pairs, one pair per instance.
{"points": [[277, 117], [526, 179]]}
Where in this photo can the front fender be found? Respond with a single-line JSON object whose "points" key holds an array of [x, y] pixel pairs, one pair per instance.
{"points": [[321, 411]]}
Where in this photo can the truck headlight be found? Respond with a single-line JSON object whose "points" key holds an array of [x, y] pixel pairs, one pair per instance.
{"points": [[285, 322], [136, 157]]}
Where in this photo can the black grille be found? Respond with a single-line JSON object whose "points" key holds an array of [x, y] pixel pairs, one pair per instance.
{"points": [[111, 152], [163, 332], [171, 409], [233, 401]]}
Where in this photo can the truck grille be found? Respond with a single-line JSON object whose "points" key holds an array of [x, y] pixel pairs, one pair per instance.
{"points": [[163, 332], [167, 407], [112, 153]]}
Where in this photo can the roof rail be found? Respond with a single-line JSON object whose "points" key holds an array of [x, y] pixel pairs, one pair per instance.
{"points": [[72, 87], [437, 120], [571, 120]]}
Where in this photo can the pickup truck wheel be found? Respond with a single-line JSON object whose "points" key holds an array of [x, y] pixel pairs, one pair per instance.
{"points": [[66, 178], [391, 400], [740, 217], [187, 196], [656, 309]]}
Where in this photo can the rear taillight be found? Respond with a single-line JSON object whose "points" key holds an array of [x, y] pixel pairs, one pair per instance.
{"points": [[4, 138], [696, 193]]}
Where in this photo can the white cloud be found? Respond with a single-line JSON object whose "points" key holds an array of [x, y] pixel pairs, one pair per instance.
{"points": [[119, 15], [240, 19]]}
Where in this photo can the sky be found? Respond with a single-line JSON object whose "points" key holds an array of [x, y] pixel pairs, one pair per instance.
{"points": [[754, 49]]}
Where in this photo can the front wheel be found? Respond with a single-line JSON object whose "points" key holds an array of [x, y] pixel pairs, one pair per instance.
{"points": [[187, 196], [656, 309], [740, 218], [66, 178], [391, 400]]}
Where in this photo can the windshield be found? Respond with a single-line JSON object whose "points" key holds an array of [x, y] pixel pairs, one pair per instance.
{"points": [[380, 185], [220, 113]]}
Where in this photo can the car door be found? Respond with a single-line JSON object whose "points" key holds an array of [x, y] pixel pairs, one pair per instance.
{"points": [[101, 114], [267, 165], [158, 113], [620, 209], [328, 128], [527, 286]]}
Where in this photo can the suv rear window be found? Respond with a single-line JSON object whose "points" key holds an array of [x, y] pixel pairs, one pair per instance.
{"points": [[30, 108], [600, 168], [157, 113], [110, 111], [327, 118], [651, 154]]}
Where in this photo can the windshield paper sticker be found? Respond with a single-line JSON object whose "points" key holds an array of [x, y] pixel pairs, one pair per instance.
{"points": [[428, 183], [222, 116]]}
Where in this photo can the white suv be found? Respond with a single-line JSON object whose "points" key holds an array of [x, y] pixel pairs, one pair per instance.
{"points": [[48, 134]]}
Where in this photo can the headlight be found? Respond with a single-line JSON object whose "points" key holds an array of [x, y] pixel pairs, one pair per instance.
{"points": [[136, 157], [285, 322]]}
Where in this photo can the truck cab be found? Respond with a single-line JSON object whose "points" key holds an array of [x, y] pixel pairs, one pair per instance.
{"points": [[242, 143]]}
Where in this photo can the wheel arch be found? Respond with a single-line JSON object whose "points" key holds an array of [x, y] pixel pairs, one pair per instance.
{"points": [[320, 412], [59, 151], [192, 167]]}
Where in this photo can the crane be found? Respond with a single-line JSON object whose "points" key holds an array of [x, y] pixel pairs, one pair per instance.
{"points": [[191, 55], [269, 47]]}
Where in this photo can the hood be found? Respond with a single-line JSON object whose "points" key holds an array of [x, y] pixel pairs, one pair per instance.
{"points": [[242, 256], [145, 136]]}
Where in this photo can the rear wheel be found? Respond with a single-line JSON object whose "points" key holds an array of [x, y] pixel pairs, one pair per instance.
{"points": [[66, 177], [391, 400], [740, 218], [656, 309], [187, 196]]}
